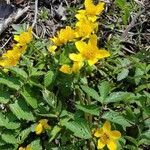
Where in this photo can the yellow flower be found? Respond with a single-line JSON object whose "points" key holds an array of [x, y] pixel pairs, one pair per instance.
{"points": [[25, 148], [22, 148], [65, 69], [63, 36], [10, 58], [107, 137], [89, 52], [76, 66], [20, 48], [39, 129], [84, 28], [74, 69], [28, 147], [91, 10], [24, 38], [43, 124], [52, 49]]}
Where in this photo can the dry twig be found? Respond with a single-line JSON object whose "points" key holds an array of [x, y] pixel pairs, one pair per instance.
{"points": [[12, 18], [35, 14], [132, 24]]}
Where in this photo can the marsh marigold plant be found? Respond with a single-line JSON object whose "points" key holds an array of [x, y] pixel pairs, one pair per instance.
{"points": [[107, 136], [88, 51], [12, 56], [85, 29], [91, 10]]}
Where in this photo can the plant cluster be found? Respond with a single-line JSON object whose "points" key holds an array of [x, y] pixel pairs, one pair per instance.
{"points": [[56, 94], [83, 35]]}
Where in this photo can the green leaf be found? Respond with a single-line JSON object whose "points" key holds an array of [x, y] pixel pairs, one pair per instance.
{"points": [[123, 74], [116, 118], [49, 78], [23, 135], [142, 87], [2, 142], [104, 89], [144, 142], [54, 132], [119, 96], [147, 94], [146, 110], [12, 83], [38, 73], [29, 97], [131, 139], [4, 122], [35, 145], [79, 128], [19, 72], [126, 14], [8, 146], [4, 97], [91, 92], [91, 109], [64, 59], [19, 110], [138, 75], [50, 98], [120, 3], [9, 138], [146, 134]]}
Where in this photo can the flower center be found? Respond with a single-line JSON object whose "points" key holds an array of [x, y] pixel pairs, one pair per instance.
{"points": [[89, 54], [105, 138]]}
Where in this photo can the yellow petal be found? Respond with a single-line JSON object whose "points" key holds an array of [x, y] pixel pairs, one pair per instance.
{"points": [[10, 58], [56, 41], [100, 144], [65, 69], [112, 145], [80, 16], [39, 129], [81, 46], [107, 126], [16, 38], [103, 54], [19, 48], [98, 132], [22, 148], [44, 123], [88, 4], [91, 62], [115, 134], [75, 57], [28, 147], [100, 7], [93, 40], [52, 49], [76, 66], [92, 18]]}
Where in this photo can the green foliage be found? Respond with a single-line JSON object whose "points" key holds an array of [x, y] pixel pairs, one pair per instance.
{"points": [[79, 128], [21, 111], [72, 105], [116, 90], [126, 8]]}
